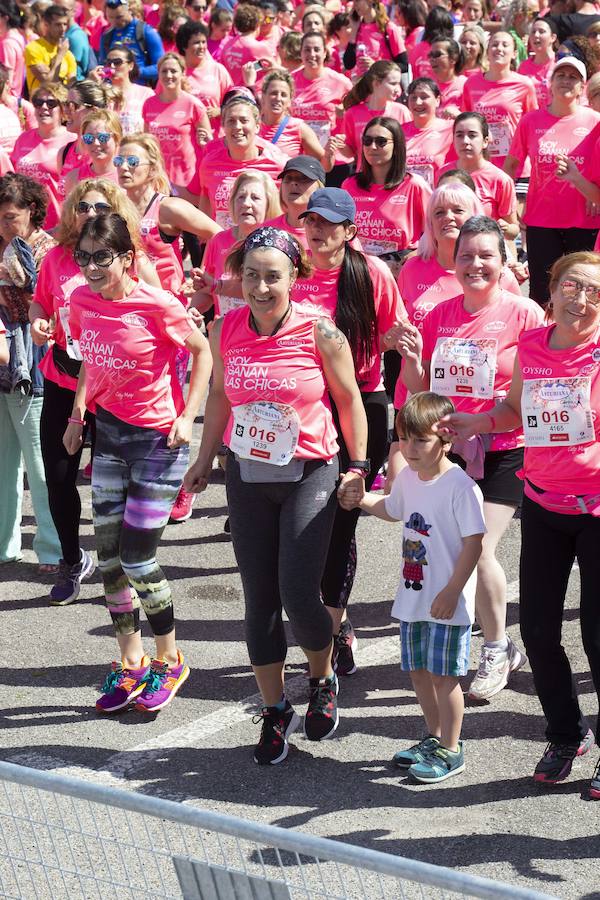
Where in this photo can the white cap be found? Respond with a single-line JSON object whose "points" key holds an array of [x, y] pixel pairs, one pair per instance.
{"points": [[574, 63]]}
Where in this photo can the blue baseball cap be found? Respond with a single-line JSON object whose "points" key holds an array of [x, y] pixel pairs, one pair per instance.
{"points": [[332, 204]]}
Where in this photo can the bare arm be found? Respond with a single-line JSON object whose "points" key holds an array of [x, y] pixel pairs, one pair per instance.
{"points": [[445, 603], [567, 170], [506, 414], [409, 344], [374, 504], [511, 166], [147, 271], [181, 431], [41, 327], [177, 215]]}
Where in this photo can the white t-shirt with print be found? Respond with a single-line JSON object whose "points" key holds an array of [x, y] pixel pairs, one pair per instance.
{"points": [[437, 515]]}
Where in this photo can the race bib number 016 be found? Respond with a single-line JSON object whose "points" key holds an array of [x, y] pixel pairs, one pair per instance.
{"points": [[464, 367], [265, 431], [557, 411]]}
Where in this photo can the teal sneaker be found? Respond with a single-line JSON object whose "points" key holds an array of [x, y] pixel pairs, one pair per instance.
{"points": [[404, 759], [438, 765]]}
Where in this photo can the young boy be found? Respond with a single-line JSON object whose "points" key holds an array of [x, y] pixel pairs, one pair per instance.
{"points": [[442, 512]]}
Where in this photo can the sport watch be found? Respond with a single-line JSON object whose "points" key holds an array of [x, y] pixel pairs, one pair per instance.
{"points": [[360, 466]]}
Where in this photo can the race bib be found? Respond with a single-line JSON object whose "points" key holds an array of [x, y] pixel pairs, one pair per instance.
{"points": [[464, 367], [557, 411], [373, 247], [72, 346], [226, 304], [322, 131], [499, 144], [265, 431], [425, 170]]}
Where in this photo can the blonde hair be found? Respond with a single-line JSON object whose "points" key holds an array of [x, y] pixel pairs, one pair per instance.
{"points": [[54, 88], [450, 192], [158, 175], [110, 119], [593, 85], [68, 231], [269, 187], [564, 263]]}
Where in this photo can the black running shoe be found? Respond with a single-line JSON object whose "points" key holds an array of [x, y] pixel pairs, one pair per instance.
{"points": [[555, 765], [322, 716], [277, 725], [345, 644]]}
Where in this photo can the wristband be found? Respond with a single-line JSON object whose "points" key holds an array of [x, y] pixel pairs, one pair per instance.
{"points": [[492, 420], [357, 471], [218, 286], [74, 421]]}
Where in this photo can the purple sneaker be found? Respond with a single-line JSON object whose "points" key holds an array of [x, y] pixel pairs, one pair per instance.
{"points": [[162, 684], [122, 685], [66, 590]]}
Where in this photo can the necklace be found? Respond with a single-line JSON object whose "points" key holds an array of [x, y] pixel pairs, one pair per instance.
{"points": [[278, 325]]}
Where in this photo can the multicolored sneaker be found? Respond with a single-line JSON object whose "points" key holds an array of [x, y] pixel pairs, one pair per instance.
{"points": [[67, 588], [122, 685], [277, 725], [557, 760], [404, 759], [438, 765], [162, 683], [344, 645], [182, 508], [322, 717], [594, 792]]}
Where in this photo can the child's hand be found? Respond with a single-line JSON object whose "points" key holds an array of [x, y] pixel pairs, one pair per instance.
{"points": [[444, 605]]}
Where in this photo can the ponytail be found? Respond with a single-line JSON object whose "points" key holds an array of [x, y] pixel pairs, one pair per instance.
{"points": [[363, 88], [355, 313]]}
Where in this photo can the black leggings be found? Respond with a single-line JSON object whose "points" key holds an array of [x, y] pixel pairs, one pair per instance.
{"points": [[550, 544], [280, 534], [340, 567], [545, 246], [60, 468]]}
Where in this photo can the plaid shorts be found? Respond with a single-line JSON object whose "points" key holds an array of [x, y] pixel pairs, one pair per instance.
{"points": [[441, 649]]}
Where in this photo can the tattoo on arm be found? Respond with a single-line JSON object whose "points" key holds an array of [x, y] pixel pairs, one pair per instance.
{"points": [[331, 331]]}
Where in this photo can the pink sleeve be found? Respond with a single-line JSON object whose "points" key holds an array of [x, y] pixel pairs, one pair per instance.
{"points": [[507, 198], [175, 322], [349, 131], [395, 40], [466, 99], [74, 323], [591, 165], [208, 263], [43, 293], [530, 99], [388, 302], [518, 147], [429, 333]]}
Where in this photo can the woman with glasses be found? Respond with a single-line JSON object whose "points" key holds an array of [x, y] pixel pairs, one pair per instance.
{"points": [[428, 137], [120, 70], [36, 152], [49, 316], [447, 62], [178, 121], [101, 133], [390, 202], [81, 98], [207, 79], [555, 397], [143, 432]]}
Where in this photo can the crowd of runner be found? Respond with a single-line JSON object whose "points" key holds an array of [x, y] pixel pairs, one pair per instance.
{"points": [[316, 211]]}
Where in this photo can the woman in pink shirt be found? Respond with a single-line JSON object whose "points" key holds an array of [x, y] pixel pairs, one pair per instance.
{"points": [[119, 69], [428, 138], [438, 24], [36, 152], [543, 41], [359, 293], [93, 21], [101, 134], [473, 42], [49, 316], [82, 96], [128, 334], [319, 91], [561, 142], [373, 37], [289, 134], [207, 79], [501, 95], [275, 367], [446, 60], [555, 396], [466, 351], [178, 121], [12, 47], [300, 178], [390, 202]]}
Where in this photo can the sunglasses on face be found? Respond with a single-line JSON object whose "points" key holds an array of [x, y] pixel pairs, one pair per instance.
{"points": [[83, 207], [101, 258], [379, 141], [50, 102], [132, 162], [114, 62], [436, 54], [103, 137], [571, 290], [198, 8]]}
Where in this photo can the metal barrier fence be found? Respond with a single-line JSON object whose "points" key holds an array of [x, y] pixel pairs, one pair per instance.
{"points": [[65, 839]]}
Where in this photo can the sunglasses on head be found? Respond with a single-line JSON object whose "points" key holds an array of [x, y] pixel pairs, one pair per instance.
{"points": [[84, 207], [103, 137], [114, 4], [379, 141], [101, 258], [50, 102], [132, 161]]}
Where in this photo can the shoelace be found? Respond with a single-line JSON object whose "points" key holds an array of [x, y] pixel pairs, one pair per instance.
{"points": [[320, 698], [113, 679], [64, 571], [560, 751], [156, 676], [344, 638], [272, 725], [486, 661]]}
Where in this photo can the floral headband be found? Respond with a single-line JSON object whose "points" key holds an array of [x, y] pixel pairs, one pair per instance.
{"points": [[267, 236]]}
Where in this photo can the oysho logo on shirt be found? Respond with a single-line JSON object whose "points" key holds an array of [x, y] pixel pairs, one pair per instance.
{"points": [[90, 313], [495, 326], [134, 319]]}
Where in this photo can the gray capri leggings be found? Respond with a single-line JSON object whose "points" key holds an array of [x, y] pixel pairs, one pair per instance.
{"points": [[280, 535]]}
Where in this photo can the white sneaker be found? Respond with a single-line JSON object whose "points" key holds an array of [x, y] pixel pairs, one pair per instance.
{"points": [[495, 666]]}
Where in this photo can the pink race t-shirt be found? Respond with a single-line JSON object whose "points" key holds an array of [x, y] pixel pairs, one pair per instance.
{"points": [[290, 138], [218, 170], [299, 233], [239, 49], [570, 469], [12, 55], [554, 202], [418, 58], [389, 220], [452, 91], [10, 128], [315, 101], [174, 126], [164, 255], [58, 277], [37, 158], [129, 348], [503, 103], [377, 45], [428, 149], [209, 83], [540, 75], [495, 189], [494, 331], [320, 293], [131, 115], [285, 368], [215, 255], [358, 117]]}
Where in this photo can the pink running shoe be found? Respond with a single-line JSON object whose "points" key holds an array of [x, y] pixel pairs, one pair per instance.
{"points": [[122, 685], [162, 684], [182, 508], [87, 471]]}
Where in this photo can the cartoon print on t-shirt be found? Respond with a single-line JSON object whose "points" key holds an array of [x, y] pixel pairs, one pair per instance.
{"points": [[414, 553]]}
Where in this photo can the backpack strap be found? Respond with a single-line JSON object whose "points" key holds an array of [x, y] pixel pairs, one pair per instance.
{"points": [[279, 131]]}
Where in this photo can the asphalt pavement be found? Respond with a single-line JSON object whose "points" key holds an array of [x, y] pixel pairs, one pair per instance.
{"points": [[492, 820]]}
